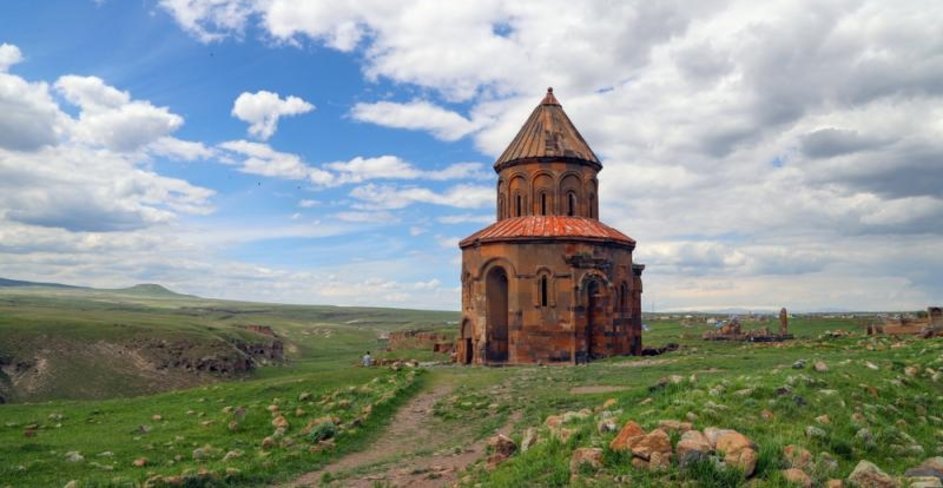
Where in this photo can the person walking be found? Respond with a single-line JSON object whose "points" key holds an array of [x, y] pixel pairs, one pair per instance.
{"points": [[367, 360]]}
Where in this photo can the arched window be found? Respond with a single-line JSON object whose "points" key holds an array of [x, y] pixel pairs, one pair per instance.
{"points": [[544, 291], [592, 206], [543, 204], [501, 207], [571, 204], [623, 297], [518, 205]]}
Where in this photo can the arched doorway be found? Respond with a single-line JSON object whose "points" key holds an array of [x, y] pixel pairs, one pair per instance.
{"points": [[496, 290], [466, 350], [596, 318]]}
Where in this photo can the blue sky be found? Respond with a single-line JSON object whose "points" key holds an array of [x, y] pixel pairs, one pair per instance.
{"points": [[334, 152]]}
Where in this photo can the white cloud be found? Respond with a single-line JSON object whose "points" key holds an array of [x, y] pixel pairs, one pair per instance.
{"points": [[109, 117], [210, 20], [86, 175], [260, 159], [29, 117], [9, 55], [179, 149], [262, 110], [416, 115], [391, 197], [308, 203]]}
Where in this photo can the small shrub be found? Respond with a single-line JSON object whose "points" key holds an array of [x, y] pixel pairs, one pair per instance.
{"points": [[323, 431]]}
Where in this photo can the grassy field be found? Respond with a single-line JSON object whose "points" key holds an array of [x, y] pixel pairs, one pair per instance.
{"points": [[225, 433]]}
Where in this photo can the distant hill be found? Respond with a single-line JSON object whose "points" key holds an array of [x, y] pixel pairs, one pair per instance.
{"points": [[148, 290], [141, 290], [17, 283]]}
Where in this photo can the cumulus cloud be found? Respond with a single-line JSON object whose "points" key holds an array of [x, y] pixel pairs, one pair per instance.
{"points": [[262, 110], [87, 174], [9, 55], [261, 159], [416, 115], [108, 117], [808, 130]]}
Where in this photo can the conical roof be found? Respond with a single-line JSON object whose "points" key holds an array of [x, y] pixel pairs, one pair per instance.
{"points": [[548, 133]]}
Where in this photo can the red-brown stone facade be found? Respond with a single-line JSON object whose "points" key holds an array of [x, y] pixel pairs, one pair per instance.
{"points": [[548, 282]]}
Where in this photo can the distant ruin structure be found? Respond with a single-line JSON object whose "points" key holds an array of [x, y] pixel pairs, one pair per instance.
{"points": [[731, 331], [548, 282], [929, 326]]}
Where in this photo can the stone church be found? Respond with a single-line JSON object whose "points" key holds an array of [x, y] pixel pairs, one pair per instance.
{"points": [[548, 282]]}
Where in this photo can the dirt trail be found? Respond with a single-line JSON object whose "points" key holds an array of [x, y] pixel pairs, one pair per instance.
{"points": [[410, 452]]}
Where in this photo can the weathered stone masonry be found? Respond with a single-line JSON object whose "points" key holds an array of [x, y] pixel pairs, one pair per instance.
{"points": [[548, 282]]}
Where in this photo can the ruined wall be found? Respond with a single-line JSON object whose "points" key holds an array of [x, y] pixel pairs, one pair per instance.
{"points": [[419, 339], [591, 307]]}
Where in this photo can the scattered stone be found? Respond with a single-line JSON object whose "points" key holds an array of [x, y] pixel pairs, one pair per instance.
{"points": [[268, 443], [744, 392], [924, 482], [823, 419], [767, 415], [797, 477], [206, 452], [739, 451], [530, 439], [820, 367], [833, 483], [299, 412], [139, 462], [627, 437], [911, 371], [609, 404], [867, 475], [74, 457], [931, 467], [674, 426], [871, 365], [272, 408], [304, 396], [571, 416], [858, 418], [797, 457], [71, 484], [655, 441], [713, 434], [233, 426], [606, 425], [157, 417], [693, 446], [582, 456], [798, 364], [813, 432], [280, 422], [502, 447], [235, 453], [691, 416]]}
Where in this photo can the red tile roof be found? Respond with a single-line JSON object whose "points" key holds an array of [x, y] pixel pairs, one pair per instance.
{"points": [[548, 133], [535, 227]]}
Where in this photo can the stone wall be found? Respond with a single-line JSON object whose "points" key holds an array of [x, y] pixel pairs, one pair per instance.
{"points": [[574, 325]]}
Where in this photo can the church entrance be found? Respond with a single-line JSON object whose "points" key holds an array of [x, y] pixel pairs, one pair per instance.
{"points": [[466, 351], [595, 318], [496, 290]]}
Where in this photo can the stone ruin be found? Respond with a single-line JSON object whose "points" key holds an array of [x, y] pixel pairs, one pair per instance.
{"points": [[925, 327], [420, 339], [732, 331]]}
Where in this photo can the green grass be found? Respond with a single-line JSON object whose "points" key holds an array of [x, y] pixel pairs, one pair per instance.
{"points": [[324, 345]]}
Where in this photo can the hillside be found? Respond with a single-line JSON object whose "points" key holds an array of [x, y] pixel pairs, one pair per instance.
{"points": [[61, 342]]}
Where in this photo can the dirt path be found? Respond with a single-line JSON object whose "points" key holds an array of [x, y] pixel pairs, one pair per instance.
{"points": [[410, 452]]}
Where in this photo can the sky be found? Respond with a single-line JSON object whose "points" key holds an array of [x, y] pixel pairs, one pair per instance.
{"points": [[763, 154]]}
